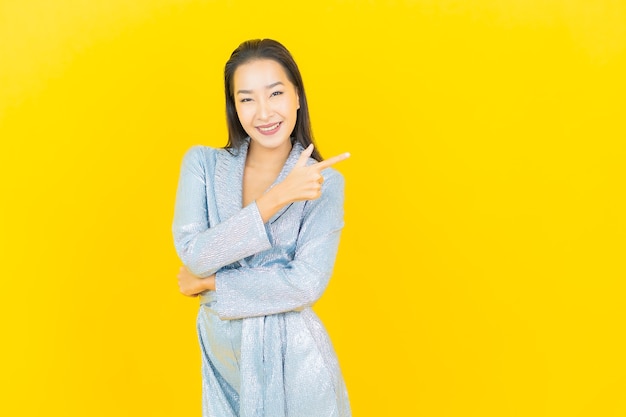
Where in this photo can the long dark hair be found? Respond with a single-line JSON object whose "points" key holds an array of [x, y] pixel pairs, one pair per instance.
{"points": [[266, 49]]}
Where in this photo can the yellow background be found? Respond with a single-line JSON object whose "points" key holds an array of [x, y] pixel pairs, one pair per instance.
{"points": [[481, 271]]}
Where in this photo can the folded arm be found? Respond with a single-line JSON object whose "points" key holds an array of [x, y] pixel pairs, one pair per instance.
{"points": [[247, 292]]}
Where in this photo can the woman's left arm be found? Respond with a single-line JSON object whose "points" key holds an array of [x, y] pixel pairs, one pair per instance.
{"points": [[249, 292]]}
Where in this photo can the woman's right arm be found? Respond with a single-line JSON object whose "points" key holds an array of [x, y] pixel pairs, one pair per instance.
{"points": [[203, 247]]}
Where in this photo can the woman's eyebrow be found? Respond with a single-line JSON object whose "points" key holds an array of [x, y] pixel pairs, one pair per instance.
{"points": [[266, 87]]}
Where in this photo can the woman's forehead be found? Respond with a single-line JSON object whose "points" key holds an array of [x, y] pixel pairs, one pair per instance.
{"points": [[259, 73]]}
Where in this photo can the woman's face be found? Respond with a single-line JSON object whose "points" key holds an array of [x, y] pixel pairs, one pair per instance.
{"points": [[267, 103]]}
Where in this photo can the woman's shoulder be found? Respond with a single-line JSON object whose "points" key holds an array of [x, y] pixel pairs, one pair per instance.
{"points": [[202, 154], [200, 150], [331, 173], [333, 180]]}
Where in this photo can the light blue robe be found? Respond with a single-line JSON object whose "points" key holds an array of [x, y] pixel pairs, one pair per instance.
{"points": [[264, 351]]}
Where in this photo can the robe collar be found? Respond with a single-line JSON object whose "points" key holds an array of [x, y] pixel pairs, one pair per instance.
{"points": [[229, 179]]}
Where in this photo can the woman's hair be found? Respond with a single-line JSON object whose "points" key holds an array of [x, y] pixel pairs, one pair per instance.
{"points": [[266, 49]]}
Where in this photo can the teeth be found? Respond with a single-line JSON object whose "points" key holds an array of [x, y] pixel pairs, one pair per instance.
{"points": [[267, 129]]}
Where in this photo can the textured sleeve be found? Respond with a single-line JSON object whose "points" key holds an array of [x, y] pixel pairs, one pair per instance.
{"points": [[259, 291], [204, 247]]}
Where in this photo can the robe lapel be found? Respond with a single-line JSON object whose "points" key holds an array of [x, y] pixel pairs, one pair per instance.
{"points": [[229, 181]]}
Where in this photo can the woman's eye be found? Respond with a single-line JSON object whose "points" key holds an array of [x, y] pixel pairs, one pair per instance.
{"points": [[245, 100], [276, 93]]}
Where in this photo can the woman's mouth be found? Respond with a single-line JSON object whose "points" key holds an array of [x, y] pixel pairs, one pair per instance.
{"points": [[269, 129]]}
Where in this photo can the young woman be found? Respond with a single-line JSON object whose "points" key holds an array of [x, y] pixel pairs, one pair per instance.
{"points": [[257, 227]]}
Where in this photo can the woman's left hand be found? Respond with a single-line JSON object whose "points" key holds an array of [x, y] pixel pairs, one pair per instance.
{"points": [[191, 285]]}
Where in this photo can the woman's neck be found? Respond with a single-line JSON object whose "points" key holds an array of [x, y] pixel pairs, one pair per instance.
{"points": [[266, 158]]}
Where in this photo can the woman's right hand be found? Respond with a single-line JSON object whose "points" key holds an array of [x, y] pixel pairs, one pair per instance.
{"points": [[304, 182]]}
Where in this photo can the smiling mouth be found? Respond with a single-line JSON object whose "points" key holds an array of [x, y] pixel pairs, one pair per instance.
{"points": [[265, 129]]}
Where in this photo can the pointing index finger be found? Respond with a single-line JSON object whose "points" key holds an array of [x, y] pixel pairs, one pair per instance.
{"points": [[331, 161]]}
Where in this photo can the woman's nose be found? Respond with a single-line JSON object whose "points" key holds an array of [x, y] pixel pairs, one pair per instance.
{"points": [[264, 110]]}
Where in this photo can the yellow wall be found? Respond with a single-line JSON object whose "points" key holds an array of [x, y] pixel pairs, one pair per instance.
{"points": [[481, 272]]}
